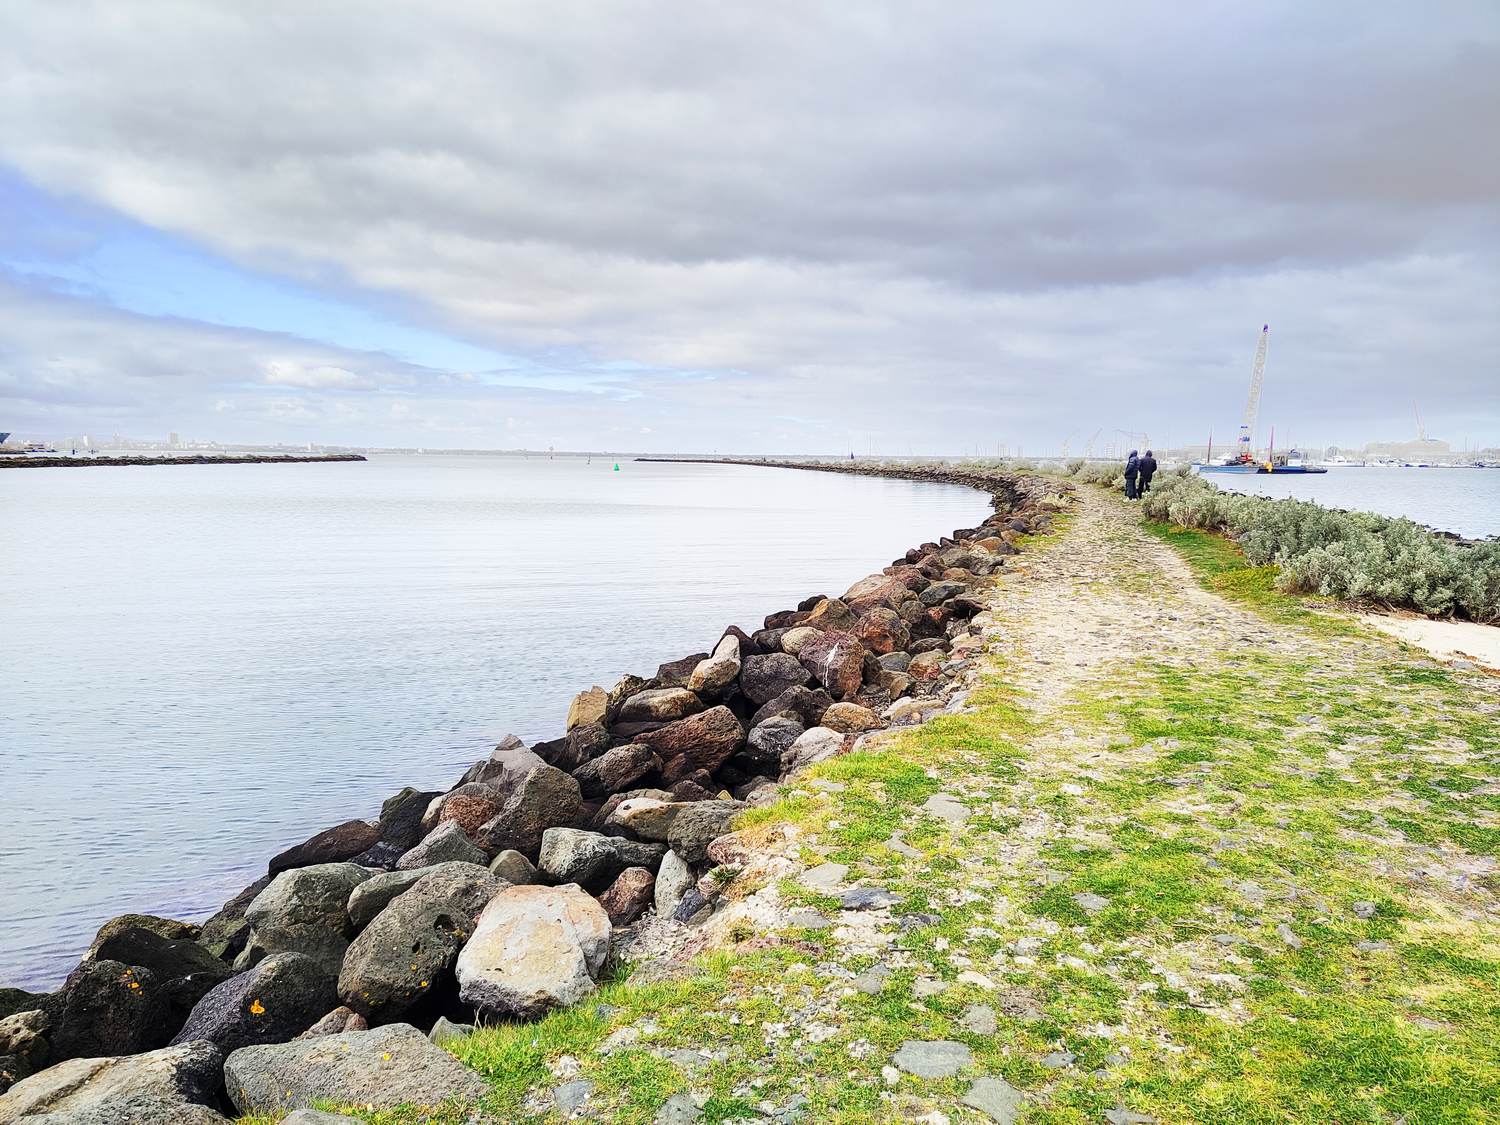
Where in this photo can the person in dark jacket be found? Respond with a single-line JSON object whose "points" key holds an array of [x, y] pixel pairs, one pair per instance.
{"points": [[1147, 468], [1132, 470]]}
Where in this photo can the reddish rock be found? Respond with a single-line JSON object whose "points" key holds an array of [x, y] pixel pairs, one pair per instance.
{"points": [[836, 661], [881, 630], [628, 896], [884, 590], [705, 740], [926, 667], [850, 718], [469, 812], [829, 613]]}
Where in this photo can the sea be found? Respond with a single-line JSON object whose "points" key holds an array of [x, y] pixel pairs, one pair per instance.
{"points": [[206, 664], [1464, 501]]}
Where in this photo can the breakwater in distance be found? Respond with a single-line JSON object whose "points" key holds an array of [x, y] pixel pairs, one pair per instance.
{"points": [[502, 896], [31, 461]]}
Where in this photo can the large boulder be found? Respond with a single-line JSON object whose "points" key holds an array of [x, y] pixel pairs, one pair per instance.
{"points": [[507, 764], [303, 911], [332, 845], [176, 1084], [815, 745], [940, 592], [589, 706], [513, 867], [807, 704], [544, 797], [447, 843], [375, 893], [794, 638], [223, 935], [713, 676], [110, 1008], [850, 718], [829, 613], [534, 949], [277, 1000], [184, 970], [24, 1046], [591, 859], [647, 818], [617, 769], [702, 741], [674, 878], [660, 705], [770, 740], [676, 673], [878, 590], [389, 1066], [469, 811], [700, 824], [400, 829], [836, 660], [408, 950], [881, 631], [628, 896], [763, 678]]}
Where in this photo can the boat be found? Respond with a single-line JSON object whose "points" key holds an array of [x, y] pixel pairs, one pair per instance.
{"points": [[1245, 461]]}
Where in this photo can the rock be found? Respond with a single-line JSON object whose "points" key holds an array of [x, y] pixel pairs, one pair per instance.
{"points": [[400, 829], [168, 928], [675, 673], [339, 1020], [850, 718], [926, 666], [979, 1019], [1364, 910], [447, 843], [1057, 1060], [732, 849], [713, 676], [867, 898], [805, 704], [584, 744], [645, 817], [628, 896], [279, 998], [513, 867], [1089, 902], [895, 661], [24, 1046], [444, 1031], [811, 746], [1288, 935], [591, 859], [224, 934], [824, 876], [703, 741], [794, 638], [570, 1097], [836, 660], [534, 949], [769, 741], [589, 706], [375, 894], [110, 1008], [317, 1117], [872, 981], [183, 969], [997, 1099], [946, 807], [176, 1085], [942, 1058], [617, 769], [409, 949], [894, 684], [469, 811], [882, 631], [380, 1069], [544, 797], [691, 789], [674, 878], [660, 705], [332, 845], [507, 764], [697, 825], [876, 591], [939, 592], [679, 1109], [13, 1000], [303, 911], [694, 908], [763, 678]]}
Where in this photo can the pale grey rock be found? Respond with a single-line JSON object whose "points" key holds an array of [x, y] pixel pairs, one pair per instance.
{"points": [[997, 1099], [823, 877], [979, 1019], [176, 1084], [674, 878], [817, 744], [446, 843], [946, 807], [303, 911], [941, 1058], [513, 867]]}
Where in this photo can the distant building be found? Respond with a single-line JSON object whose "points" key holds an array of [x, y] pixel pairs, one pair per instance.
{"points": [[172, 440], [1418, 447]]}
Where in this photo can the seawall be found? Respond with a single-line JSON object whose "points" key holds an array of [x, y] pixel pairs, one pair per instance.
{"points": [[26, 461]]}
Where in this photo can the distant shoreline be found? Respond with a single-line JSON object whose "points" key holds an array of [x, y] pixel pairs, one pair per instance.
{"points": [[30, 462]]}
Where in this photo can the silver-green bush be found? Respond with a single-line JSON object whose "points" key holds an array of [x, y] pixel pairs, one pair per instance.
{"points": [[1353, 556]]}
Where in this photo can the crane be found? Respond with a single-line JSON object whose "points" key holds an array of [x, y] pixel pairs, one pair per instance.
{"points": [[1252, 406], [1088, 446], [1421, 432], [1065, 441]]}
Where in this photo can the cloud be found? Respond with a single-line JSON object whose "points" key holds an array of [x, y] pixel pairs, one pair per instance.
{"points": [[948, 226]]}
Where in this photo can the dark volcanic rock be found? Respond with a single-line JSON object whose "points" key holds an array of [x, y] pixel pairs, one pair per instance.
{"points": [[628, 896], [379, 1069], [303, 911], [698, 825], [409, 949], [628, 686], [336, 1022], [617, 769], [110, 1008], [545, 797], [675, 673], [375, 893], [836, 661], [223, 935], [763, 678], [690, 790], [400, 829], [940, 592], [276, 1000], [807, 704], [183, 969], [591, 859], [770, 740], [343, 841], [447, 843], [705, 740], [176, 1085]]}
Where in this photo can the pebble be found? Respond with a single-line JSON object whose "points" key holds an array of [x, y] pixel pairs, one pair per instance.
{"points": [[1364, 910], [824, 876]]}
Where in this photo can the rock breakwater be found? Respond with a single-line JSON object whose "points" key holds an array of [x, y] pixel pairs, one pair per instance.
{"points": [[33, 462], [502, 896]]}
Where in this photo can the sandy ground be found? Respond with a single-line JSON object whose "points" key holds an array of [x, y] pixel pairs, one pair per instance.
{"points": [[1446, 640]]}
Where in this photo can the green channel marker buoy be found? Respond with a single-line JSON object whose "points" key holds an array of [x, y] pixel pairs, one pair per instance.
{"points": [[617, 466]]}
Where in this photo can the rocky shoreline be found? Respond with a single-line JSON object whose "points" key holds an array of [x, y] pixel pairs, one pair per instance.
{"points": [[32, 462], [338, 973]]}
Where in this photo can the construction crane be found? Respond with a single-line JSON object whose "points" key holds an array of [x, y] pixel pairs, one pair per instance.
{"points": [[1421, 431], [1252, 406], [1065, 441], [1133, 434], [1088, 446]]}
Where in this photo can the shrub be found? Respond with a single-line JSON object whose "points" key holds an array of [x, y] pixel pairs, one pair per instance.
{"points": [[1353, 556]]}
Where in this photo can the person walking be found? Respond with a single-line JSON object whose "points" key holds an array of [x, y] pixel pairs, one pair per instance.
{"points": [[1132, 470], [1147, 468]]}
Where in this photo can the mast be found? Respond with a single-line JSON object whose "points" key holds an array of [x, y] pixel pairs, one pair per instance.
{"points": [[1252, 406]]}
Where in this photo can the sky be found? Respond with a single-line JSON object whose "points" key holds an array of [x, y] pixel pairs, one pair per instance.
{"points": [[791, 226]]}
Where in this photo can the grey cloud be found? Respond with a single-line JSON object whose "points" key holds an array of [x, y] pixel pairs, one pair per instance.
{"points": [[1041, 210]]}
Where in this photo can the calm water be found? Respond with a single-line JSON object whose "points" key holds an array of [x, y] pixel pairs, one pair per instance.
{"points": [[1464, 501], [207, 664]]}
